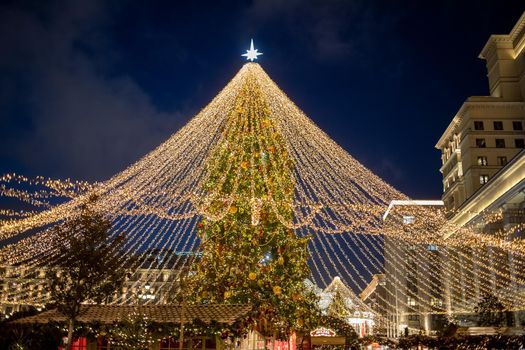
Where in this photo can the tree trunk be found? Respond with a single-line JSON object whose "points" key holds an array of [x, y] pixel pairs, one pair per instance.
{"points": [[181, 335], [70, 333], [182, 307]]}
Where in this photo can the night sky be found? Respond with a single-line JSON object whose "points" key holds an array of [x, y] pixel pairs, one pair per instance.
{"points": [[88, 87]]}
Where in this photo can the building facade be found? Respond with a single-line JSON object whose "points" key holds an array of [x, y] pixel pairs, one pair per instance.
{"points": [[413, 287], [483, 167], [375, 297], [156, 278], [488, 131]]}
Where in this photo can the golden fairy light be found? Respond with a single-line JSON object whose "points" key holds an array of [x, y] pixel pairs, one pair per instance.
{"points": [[158, 201]]}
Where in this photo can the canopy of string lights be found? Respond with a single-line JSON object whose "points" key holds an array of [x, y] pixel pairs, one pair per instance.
{"points": [[159, 201]]}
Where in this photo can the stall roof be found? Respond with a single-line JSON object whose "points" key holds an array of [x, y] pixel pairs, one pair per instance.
{"points": [[156, 313]]}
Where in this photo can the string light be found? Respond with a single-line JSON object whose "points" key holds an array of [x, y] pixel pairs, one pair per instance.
{"points": [[158, 202]]}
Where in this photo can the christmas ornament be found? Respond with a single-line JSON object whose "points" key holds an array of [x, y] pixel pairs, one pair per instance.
{"points": [[256, 211], [280, 260]]}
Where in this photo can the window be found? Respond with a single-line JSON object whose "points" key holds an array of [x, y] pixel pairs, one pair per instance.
{"points": [[502, 160], [169, 344], [481, 143], [500, 143], [519, 143], [483, 179], [432, 247], [195, 343], [172, 344], [436, 302], [411, 301], [482, 160], [411, 284], [478, 125], [210, 343], [451, 203], [413, 317], [407, 220], [498, 125], [517, 126]]}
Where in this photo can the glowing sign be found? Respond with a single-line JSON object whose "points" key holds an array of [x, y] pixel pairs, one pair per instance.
{"points": [[322, 332]]}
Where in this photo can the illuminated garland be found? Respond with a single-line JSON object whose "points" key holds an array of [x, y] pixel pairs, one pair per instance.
{"points": [[158, 202]]}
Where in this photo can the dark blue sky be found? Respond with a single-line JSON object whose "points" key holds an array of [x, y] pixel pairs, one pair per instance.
{"points": [[88, 87]]}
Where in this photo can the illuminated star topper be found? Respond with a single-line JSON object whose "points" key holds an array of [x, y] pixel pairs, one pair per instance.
{"points": [[252, 53]]}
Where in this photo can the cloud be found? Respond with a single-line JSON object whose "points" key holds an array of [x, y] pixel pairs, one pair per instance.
{"points": [[325, 26], [332, 30], [78, 119], [329, 40]]}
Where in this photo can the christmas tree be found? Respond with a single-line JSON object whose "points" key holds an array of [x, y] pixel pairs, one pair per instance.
{"points": [[249, 253], [338, 307]]}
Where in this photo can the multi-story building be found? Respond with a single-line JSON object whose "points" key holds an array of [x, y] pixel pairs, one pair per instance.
{"points": [[483, 167], [23, 288], [156, 281], [412, 297], [487, 131]]}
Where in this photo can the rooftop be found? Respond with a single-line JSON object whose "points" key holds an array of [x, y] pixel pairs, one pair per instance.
{"points": [[156, 313]]}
